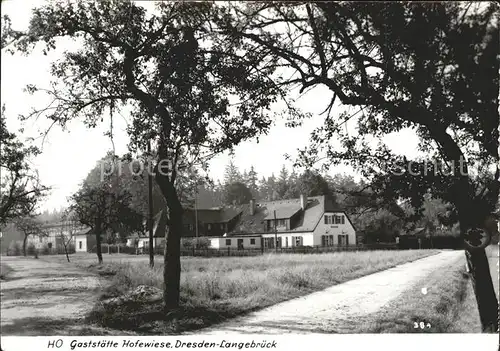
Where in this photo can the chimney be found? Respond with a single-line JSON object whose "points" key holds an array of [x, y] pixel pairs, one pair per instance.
{"points": [[303, 201], [252, 207]]}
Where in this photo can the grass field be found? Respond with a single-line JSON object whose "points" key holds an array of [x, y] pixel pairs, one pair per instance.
{"points": [[468, 318], [449, 305], [214, 289]]}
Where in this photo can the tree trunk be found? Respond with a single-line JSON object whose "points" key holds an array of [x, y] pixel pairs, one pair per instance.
{"points": [[482, 283], [150, 215], [24, 245], [172, 259], [66, 250], [98, 244]]}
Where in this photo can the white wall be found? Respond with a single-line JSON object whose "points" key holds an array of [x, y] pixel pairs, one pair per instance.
{"points": [[215, 243], [307, 238], [130, 242], [220, 242], [144, 243], [81, 239], [41, 241], [334, 229]]}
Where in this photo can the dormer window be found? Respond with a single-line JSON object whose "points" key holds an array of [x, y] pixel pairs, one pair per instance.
{"points": [[339, 219], [334, 219]]}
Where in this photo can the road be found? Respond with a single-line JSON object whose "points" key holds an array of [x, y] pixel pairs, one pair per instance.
{"points": [[338, 307], [47, 298]]}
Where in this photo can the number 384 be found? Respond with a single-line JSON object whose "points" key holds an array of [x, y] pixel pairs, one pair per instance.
{"points": [[421, 325]]}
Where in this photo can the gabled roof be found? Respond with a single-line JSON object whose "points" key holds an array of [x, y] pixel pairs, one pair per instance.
{"points": [[307, 220], [83, 230], [284, 208], [212, 216]]}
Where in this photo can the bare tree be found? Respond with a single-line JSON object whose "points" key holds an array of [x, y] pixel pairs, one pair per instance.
{"points": [[29, 226], [67, 232]]}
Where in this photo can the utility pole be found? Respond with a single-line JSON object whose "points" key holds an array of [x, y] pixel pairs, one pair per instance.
{"points": [[150, 212], [275, 233], [196, 214]]}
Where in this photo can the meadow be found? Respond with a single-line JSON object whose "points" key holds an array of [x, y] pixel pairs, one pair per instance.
{"points": [[448, 306], [214, 289]]}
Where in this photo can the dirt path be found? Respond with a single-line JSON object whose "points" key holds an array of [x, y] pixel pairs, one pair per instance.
{"points": [[336, 308], [47, 298]]}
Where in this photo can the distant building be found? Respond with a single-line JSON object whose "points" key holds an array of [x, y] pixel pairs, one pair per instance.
{"points": [[54, 233], [84, 240]]}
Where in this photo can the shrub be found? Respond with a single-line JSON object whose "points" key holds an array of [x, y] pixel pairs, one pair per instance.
{"points": [[30, 250], [45, 250], [15, 248], [200, 243]]}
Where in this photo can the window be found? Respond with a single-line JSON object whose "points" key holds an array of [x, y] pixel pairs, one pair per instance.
{"points": [[343, 240], [328, 219], [339, 219], [79, 244], [209, 226], [269, 243], [222, 226], [252, 241], [278, 242], [49, 245], [228, 242], [296, 240], [270, 224], [282, 222], [286, 241], [327, 240]]}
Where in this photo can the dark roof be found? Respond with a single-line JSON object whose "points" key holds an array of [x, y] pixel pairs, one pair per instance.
{"points": [[83, 230], [214, 215], [284, 209], [306, 220], [421, 231]]}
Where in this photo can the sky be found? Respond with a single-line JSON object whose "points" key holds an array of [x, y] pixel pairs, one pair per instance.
{"points": [[68, 156]]}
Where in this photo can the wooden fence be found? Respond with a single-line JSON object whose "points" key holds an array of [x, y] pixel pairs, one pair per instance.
{"points": [[228, 252], [225, 252]]}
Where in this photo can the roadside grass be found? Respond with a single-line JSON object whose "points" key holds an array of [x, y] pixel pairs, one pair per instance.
{"points": [[214, 289], [449, 306], [468, 319], [4, 271]]}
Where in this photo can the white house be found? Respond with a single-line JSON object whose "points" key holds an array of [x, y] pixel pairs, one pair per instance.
{"points": [[85, 241], [313, 221], [56, 232]]}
